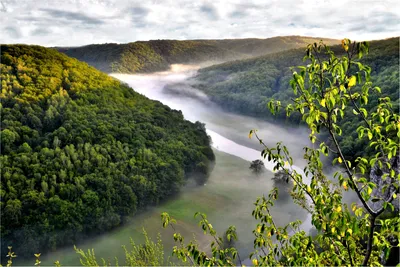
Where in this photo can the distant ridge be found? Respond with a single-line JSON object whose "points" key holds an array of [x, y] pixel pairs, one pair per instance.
{"points": [[158, 55], [247, 86]]}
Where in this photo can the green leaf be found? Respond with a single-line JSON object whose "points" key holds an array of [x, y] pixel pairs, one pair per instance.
{"points": [[369, 133], [369, 190], [365, 99], [250, 134], [352, 81]]}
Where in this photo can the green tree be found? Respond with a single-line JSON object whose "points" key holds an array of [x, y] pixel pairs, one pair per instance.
{"points": [[75, 163], [283, 182], [257, 166], [326, 89], [8, 137]]}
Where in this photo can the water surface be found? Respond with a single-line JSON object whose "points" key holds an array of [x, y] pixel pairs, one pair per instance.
{"points": [[227, 197]]}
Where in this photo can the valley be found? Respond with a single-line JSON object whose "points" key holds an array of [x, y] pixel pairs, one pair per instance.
{"points": [[92, 159], [228, 195]]}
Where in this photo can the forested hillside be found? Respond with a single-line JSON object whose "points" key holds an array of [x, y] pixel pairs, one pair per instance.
{"points": [[157, 55], [246, 86], [80, 152]]}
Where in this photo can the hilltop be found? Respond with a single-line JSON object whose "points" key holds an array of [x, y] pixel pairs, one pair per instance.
{"points": [[82, 152], [158, 55], [246, 86]]}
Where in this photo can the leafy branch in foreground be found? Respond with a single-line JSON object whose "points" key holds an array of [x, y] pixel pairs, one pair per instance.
{"points": [[220, 255], [148, 254], [329, 90]]}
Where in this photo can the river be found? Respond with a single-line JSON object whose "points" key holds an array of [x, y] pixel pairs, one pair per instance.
{"points": [[227, 197]]}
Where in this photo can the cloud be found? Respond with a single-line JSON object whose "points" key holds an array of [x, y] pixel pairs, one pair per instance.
{"points": [[238, 14], [139, 15], [243, 10], [380, 22], [139, 11], [41, 32], [12, 32], [72, 16], [72, 22], [210, 11]]}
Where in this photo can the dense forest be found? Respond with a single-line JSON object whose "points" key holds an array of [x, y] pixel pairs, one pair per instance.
{"points": [[157, 55], [246, 86], [80, 152]]}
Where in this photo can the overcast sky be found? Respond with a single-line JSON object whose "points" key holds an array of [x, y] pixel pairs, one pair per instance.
{"points": [[80, 22]]}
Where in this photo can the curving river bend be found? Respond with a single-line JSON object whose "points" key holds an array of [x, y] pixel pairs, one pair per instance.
{"points": [[228, 196]]}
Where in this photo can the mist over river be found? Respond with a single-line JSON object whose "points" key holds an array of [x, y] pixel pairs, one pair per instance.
{"points": [[227, 197]]}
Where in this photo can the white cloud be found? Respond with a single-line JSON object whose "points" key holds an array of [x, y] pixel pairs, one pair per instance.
{"points": [[80, 22]]}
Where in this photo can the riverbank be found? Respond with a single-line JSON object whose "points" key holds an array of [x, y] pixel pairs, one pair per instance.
{"points": [[227, 199]]}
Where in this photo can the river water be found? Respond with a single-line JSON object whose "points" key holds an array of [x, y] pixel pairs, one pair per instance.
{"points": [[231, 190]]}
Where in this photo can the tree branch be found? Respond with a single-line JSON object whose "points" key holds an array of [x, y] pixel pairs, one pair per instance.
{"points": [[370, 241], [349, 252], [351, 176], [290, 174]]}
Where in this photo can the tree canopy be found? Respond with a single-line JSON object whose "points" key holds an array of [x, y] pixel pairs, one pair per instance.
{"points": [[257, 166], [81, 152], [158, 55], [247, 86], [349, 234]]}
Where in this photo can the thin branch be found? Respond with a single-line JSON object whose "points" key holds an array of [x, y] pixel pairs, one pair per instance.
{"points": [[240, 260], [265, 253], [276, 229], [209, 229], [351, 176], [290, 174], [182, 246], [370, 241], [349, 252], [329, 148]]}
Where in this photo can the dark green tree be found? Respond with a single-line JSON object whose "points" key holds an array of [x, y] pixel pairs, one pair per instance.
{"points": [[257, 166]]}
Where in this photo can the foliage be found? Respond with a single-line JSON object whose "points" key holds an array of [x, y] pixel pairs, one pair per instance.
{"points": [[10, 255], [147, 254], [346, 234], [257, 166], [157, 55], [80, 152], [223, 253], [283, 183], [247, 86]]}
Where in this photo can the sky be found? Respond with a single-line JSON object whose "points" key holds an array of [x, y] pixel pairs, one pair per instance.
{"points": [[81, 22]]}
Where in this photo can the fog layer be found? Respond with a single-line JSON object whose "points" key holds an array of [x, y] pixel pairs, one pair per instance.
{"points": [[172, 89], [227, 197], [228, 131]]}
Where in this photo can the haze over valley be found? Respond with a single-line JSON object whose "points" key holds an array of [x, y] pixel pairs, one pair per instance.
{"points": [[132, 128]]}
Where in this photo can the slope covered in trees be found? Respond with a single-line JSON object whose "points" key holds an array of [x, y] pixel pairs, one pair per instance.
{"points": [[157, 55], [336, 232], [246, 86], [80, 152]]}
